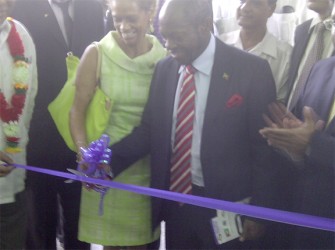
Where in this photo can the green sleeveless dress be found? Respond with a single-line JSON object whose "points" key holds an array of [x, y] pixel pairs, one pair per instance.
{"points": [[126, 220]]}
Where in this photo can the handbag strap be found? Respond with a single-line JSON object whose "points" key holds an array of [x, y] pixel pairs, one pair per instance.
{"points": [[97, 77]]}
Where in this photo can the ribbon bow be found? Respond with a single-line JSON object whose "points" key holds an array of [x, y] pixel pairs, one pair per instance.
{"points": [[96, 156]]}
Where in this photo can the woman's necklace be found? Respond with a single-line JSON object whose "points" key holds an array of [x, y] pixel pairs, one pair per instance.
{"points": [[10, 113]]}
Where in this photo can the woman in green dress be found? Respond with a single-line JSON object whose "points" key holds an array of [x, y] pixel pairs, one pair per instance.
{"points": [[128, 57]]}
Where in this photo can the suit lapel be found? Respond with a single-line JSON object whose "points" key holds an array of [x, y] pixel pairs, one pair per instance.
{"points": [[53, 26], [302, 39], [170, 88], [220, 84], [331, 126], [305, 35], [321, 83], [168, 91], [324, 88], [330, 102]]}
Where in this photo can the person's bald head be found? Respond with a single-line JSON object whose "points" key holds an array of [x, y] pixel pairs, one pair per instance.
{"points": [[187, 11], [186, 27]]}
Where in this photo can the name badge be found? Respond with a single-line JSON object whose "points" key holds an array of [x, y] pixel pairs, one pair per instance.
{"points": [[227, 226]]}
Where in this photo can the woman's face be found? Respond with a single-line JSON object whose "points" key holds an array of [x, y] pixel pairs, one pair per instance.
{"points": [[130, 21]]}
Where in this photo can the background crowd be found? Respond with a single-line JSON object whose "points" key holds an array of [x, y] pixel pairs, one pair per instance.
{"points": [[230, 100]]}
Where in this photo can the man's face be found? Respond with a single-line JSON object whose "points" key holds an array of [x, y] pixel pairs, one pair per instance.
{"points": [[5, 7], [254, 13], [183, 40], [320, 6]]}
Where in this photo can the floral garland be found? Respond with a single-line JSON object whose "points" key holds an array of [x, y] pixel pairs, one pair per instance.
{"points": [[10, 112]]}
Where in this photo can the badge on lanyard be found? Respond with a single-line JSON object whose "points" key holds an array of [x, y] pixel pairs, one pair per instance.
{"points": [[227, 226]]}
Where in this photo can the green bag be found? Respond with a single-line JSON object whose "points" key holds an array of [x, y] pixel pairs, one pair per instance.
{"points": [[97, 113]]}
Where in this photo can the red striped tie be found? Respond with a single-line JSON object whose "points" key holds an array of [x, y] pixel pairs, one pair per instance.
{"points": [[181, 178]]}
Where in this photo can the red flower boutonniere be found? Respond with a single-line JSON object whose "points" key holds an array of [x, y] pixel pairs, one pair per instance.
{"points": [[234, 101]]}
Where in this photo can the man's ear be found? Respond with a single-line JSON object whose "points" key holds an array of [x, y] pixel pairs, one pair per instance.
{"points": [[206, 25]]}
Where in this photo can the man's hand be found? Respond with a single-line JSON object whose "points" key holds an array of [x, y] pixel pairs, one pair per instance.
{"points": [[5, 170], [292, 135], [281, 117], [252, 230]]}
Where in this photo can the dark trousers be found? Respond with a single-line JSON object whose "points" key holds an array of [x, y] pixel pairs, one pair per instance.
{"points": [[189, 227], [307, 238], [46, 195], [13, 223]]}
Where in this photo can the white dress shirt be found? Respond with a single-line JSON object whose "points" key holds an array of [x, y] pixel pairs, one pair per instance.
{"points": [[276, 52], [14, 182], [203, 64], [59, 16]]}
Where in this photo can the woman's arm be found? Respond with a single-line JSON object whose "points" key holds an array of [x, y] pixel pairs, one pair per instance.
{"points": [[86, 83]]}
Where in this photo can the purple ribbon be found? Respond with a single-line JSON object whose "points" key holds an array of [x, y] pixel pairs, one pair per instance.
{"points": [[304, 220], [94, 156]]}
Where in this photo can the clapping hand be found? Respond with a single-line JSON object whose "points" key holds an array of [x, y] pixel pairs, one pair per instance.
{"points": [[280, 117], [289, 134], [5, 170]]}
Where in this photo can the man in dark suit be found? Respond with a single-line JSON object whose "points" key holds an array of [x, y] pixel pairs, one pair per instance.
{"points": [[308, 137], [317, 179], [46, 149], [229, 161], [310, 140], [304, 37]]}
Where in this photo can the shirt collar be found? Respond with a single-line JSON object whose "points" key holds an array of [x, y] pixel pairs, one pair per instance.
{"points": [[267, 45], [328, 23], [204, 62]]}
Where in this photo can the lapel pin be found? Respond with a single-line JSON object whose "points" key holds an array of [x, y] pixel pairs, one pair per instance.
{"points": [[225, 76]]}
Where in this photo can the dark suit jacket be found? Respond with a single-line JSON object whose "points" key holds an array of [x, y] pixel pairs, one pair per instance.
{"points": [[46, 148], [235, 159], [317, 180], [301, 38]]}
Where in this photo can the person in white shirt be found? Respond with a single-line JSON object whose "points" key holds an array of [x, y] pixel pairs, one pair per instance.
{"points": [[254, 37], [18, 87]]}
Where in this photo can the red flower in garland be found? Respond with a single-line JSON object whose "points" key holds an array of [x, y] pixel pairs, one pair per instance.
{"points": [[15, 43], [18, 101]]}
